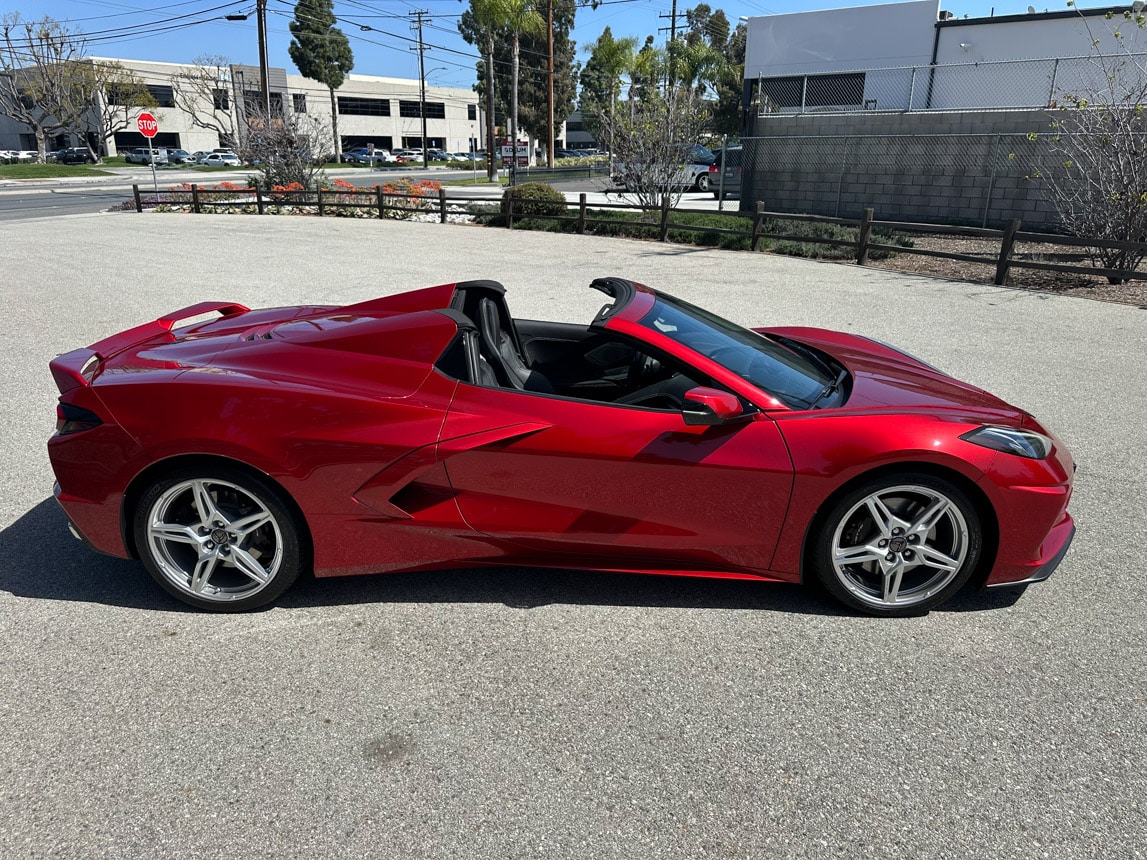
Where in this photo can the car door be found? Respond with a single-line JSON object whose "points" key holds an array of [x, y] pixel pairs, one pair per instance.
{"points": [[631, 487]]}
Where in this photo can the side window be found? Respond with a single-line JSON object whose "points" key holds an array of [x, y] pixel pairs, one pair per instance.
{"points": [[453, 361]]}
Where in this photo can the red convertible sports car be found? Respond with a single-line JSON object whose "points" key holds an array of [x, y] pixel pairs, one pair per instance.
{"points": [[431, 429]]}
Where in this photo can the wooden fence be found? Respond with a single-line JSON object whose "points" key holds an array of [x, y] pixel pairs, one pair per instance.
{"points": [[381, 202]]}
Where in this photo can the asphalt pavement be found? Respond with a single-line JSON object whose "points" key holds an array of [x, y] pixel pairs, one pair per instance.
{"points": [[553, 714], [71, 195]]}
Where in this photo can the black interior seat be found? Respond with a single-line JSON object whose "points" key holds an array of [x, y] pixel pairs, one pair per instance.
{"points": [[499, 351]]}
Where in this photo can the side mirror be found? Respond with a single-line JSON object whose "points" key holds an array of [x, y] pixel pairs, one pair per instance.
{"points": [[709, 407]]}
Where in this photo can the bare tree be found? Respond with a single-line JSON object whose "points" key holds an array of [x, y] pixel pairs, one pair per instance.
{"points": [[1097, 178], [284, 149], [38, 68], [103, 98], [206, 94], [650, 143]]}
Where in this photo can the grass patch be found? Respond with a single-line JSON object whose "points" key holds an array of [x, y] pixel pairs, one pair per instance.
{"points": [[637, 225], [48, 171]]}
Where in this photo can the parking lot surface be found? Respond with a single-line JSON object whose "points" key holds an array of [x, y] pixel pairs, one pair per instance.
{"points": [[494, 713]]}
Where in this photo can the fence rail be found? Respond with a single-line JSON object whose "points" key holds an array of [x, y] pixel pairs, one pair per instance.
{"points": [[380, 202]]}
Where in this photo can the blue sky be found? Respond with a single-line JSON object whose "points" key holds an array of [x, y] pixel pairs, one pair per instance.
{"points": [[181, 31]]}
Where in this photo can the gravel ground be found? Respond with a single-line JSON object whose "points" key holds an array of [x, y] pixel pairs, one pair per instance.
{"points": [[526, 713]]}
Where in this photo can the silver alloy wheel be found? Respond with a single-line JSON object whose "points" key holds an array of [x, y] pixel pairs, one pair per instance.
{"points": [[214, 540], [900, 546]]}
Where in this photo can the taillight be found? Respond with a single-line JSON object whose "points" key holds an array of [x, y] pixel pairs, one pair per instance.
{"points": [[74, 419], [714, 169]]}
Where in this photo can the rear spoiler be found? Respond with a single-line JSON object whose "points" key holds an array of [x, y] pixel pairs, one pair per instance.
{"points": [[75, 368]]}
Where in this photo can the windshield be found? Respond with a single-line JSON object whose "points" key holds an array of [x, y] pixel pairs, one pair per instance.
{"points": [[796, 380]]}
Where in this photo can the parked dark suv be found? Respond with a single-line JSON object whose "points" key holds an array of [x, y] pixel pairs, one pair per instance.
{"points": [[74, 155], [726, 173]]}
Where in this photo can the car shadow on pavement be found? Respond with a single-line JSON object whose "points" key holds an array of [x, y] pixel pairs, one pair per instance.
{"points": [[40, 559]]}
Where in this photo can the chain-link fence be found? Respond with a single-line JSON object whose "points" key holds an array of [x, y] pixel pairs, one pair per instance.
{"points": [[1003, 85], [974, 179]]}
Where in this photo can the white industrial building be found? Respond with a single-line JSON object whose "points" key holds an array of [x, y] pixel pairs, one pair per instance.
{"points": [[914, 56], [372, 110]]}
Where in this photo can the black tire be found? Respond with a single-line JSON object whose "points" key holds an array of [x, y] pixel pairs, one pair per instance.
{"points": [[702, 183], [246, 552], [897, 545]]}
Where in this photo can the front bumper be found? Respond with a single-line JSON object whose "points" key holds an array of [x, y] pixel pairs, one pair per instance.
{"points": [[1047, 568]]}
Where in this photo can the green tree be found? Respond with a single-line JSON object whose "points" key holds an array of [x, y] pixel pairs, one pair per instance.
{"points": [[321, 52], [480, 25], [490, 22], [728, 113], [520, 17], [533, 90], [609, 60]]}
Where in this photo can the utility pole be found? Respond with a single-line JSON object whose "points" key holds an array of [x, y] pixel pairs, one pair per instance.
{"points": [[264, 71], [550, 97], [671, 46], [419, 16]]}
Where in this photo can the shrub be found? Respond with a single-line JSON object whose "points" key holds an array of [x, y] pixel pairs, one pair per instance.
{"points": [[534, 199]]}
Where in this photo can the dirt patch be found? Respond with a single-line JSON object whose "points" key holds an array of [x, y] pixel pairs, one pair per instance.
{"points": [[1083, 286]]}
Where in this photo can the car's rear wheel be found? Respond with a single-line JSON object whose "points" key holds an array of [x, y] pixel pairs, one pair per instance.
{"points": [[218, 539], [702, 182], [898, 545]]}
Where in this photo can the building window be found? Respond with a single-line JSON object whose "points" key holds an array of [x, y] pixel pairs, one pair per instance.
{"points": [[471, 112], [363, 107], [164, 96], [434, 110], [300, 102], [573, 125], [220, 100]]}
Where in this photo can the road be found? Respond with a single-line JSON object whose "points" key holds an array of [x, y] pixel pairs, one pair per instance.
{"points": [[494, 713], [87, 195]]}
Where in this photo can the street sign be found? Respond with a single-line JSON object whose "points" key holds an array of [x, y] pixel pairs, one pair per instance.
{"points": [[147, 125], [507, 153]]}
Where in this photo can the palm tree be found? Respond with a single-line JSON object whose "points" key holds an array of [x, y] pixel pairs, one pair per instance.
{"points": [[611, 58], [489, 16], [700, 65], [519, 16]]}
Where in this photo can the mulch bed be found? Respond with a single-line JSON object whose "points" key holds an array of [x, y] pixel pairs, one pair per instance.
{"points": [[1083, 286]]}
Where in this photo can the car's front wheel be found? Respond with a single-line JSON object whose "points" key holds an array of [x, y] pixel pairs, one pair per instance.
{"points": [[219, 539], [898, 545]]}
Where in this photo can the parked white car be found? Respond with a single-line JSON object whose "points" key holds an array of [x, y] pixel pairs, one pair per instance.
{"points": [[221, 159], [143, 155], [692, 172], [25, 155]]}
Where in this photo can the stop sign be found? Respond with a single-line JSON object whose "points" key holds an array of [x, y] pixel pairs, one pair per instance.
{"points": [[147, 125]]}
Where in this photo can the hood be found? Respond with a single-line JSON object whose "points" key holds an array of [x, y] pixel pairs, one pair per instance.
{"points": [[884, 378]]}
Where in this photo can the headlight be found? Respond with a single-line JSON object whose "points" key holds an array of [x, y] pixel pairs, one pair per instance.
{"points": [[1022, 443]]}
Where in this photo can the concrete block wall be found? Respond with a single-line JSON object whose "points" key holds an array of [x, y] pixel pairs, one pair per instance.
{"points": [[978, 169]]}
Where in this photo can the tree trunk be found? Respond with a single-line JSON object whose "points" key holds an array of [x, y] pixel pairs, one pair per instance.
{"points": [[335, 126], [490, 163]]}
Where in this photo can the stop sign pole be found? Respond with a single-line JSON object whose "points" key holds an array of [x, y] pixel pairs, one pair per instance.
{"points": [[148, 126]]}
